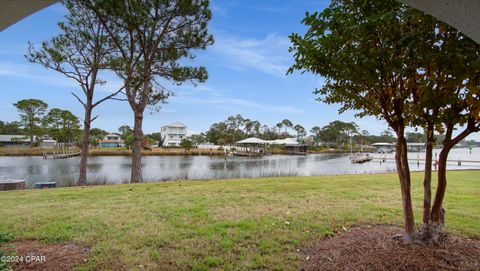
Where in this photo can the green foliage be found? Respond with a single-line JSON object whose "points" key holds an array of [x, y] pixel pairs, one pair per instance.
{"points": [[336, 133], [151, 38], [31, 113], [125, 131], [96, 135], [198, 138], [62, 125], [4, 239], [236, 128], [186, 143], [10, 128], [155, 136]]}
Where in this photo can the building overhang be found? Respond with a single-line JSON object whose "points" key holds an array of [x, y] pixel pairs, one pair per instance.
{"points": [[12, 11], [464, 15]]}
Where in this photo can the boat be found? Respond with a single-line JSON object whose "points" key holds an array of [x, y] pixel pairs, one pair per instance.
{"points": [[359, 158]]}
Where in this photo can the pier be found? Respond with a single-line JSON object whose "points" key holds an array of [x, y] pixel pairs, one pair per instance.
{"points": [[60, 151], [458, 161]]}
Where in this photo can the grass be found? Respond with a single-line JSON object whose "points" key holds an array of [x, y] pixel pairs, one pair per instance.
{"points": [[246, 224]]}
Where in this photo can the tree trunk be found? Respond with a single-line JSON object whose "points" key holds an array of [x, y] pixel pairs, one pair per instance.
{"points": [[82, 179], [437, 215], [427, 179], [403, 171], [136, 176]]}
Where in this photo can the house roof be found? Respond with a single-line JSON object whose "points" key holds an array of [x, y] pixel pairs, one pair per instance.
{"points": [[383, 144], [285, 141], [176, 124], [252, 140], [23, 138]]}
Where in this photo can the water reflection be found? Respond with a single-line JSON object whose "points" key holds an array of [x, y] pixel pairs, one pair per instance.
{"points": [[116, 169]]}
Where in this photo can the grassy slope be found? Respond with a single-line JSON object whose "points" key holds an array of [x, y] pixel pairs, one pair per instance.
{"points": [[232, 224]]}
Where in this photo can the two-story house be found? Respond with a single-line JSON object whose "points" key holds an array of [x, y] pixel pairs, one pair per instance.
{"points": [[173, 134], [112, 141]]}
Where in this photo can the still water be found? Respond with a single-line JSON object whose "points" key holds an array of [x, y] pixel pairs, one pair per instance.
{"points": [[116, 169]]}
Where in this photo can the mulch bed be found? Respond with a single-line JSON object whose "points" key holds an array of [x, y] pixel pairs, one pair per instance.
{"points": [[57, 256], [373, 248]]}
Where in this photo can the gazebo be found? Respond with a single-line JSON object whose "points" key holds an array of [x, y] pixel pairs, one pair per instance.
{"points": [[251, 146]]}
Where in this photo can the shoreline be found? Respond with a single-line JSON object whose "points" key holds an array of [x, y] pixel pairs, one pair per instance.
{"points": [[6, 151]]}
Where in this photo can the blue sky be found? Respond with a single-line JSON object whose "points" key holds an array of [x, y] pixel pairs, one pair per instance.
{"points": [[246, 65]]}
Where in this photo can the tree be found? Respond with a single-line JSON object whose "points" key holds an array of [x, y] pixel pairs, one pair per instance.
{"points": [[152, 39], [287, 124], [96, 135], [10, 128], [31, 113], [360, 48], [386, 135], [79, 52], [216, 132], [186, 143], [279, 127], [300, 131], [125, 132], [457, 81], [62, 125], [316, 134], [155, 136], [198, 139]]}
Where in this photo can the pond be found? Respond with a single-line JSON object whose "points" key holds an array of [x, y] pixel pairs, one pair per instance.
{"points": [[116, 169]]}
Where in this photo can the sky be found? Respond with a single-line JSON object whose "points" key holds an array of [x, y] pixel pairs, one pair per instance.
{"points": [[247, 68]]}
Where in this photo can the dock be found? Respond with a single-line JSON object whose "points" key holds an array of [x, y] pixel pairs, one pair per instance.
{"points": [[248, 154], [60, 155], [7, 185], [458, 161]]}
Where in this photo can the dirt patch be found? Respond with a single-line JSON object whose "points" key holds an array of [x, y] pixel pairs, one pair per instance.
{"points": [[373, 248], [32, 255]]}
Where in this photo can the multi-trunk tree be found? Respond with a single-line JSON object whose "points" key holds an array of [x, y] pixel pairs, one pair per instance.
{"points": [[358, 46], [80, 52], [154, 42], [389, 61]]}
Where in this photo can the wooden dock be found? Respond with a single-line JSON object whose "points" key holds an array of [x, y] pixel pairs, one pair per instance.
{"points": [[249, 154], [7, 185], [60, 155], [458, 161]]}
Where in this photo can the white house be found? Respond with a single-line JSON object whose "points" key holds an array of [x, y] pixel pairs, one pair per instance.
{"points": [[173, 134]]}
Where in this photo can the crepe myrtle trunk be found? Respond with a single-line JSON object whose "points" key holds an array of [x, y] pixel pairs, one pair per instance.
{"points": [[427, 179], [437, 213], [136, 175], [403, 171], [82, 179]]}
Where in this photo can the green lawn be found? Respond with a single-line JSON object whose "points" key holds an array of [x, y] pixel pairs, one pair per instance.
{"points": [[225, 224]]}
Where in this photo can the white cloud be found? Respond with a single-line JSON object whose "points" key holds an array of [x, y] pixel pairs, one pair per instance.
{"points": [[238, 102], [269, 55], [40, 75]]}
